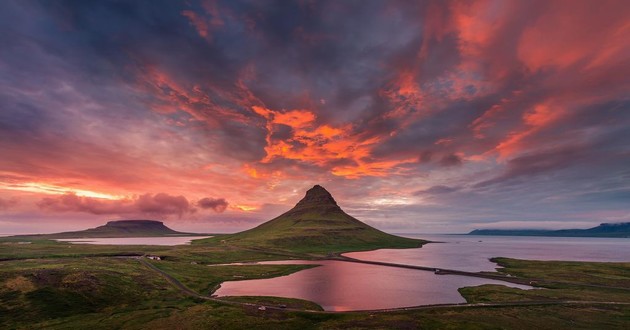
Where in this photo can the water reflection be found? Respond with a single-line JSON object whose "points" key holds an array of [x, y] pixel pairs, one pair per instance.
{"points": [[472, 253], [342, 286], [166, 240]]}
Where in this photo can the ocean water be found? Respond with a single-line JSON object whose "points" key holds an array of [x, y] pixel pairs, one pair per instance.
{"points": [[472, 252], [342, 286]]}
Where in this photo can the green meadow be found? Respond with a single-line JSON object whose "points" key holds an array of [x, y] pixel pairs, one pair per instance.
{"points": [[54, 285]]}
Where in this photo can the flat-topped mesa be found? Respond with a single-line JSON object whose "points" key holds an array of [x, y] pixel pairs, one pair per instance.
{"points": [[135, 223], [316, 197]]}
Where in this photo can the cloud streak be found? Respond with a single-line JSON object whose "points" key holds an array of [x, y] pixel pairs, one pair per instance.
{"points": [[431, 107]]}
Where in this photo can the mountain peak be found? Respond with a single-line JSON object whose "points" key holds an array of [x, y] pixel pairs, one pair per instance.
{"points": [[316, 196], [317, 224]]}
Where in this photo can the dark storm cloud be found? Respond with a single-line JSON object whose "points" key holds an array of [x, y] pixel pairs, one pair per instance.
{"points": [[535, 164], [475, 100], [451, 160]]}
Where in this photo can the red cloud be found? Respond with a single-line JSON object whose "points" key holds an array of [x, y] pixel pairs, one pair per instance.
{"points": [[198, 22], [204, 25], [160, 204], [567, 33]]}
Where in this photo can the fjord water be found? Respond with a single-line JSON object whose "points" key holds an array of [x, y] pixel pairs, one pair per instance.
{"points": [[351, 286], [163, 240], [343, 286], [472, 253]]}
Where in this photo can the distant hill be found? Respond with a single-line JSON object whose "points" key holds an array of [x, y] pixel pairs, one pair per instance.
{"points": [[621, 229], [121, 228], [315, 224]]}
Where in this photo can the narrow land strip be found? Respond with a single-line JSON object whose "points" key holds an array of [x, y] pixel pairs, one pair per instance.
{"points": [[177, 284]]}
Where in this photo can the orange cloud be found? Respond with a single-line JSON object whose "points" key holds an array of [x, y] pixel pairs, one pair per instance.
{"points": [[405, 96], [534, 120], [193, 99], [320, 144]]}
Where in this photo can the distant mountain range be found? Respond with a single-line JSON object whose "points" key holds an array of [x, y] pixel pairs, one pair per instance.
{"points": [[621, 229], [122, 228]]}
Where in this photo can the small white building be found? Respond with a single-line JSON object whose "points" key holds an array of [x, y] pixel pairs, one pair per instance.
{"points": [[154, 257]]}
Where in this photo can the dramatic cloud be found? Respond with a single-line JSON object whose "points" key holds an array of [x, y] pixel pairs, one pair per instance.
{"points": [[442, 115], [218, 205], [160, 205]]}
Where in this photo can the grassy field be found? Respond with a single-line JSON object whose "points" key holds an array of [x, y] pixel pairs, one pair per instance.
{"points": [[304, 232], [51, 285], [558, 280], [206, 279]]}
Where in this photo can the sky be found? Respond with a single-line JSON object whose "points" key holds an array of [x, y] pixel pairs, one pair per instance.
{"points": [[214, 116]]}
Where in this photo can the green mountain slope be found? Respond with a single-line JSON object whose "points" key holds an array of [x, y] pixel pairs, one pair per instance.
{"points": [[316, 224]]}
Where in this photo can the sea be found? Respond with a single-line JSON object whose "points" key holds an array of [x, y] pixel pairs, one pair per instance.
{"points": [[342, 286]]}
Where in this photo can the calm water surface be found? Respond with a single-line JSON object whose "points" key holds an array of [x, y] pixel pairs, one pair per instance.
{"points": [[164, 240], [343, 286], [471, 252]]}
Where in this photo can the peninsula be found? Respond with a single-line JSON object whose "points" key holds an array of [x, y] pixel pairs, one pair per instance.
{"points": [[621, 229]]}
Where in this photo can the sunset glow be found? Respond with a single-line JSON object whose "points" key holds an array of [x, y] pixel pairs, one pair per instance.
{"points": [[214, 116], [56, 190]]}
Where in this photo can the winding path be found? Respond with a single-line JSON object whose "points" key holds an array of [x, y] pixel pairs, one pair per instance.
{"points": [[180, 286]]}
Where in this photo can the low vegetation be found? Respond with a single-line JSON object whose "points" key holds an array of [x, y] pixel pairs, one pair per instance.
{"points": [[316, 225], [558, 281], [55, 285], [206, 279], [79, 291]]}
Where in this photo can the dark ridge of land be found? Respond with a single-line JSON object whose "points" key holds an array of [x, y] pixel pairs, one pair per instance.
{"points": [[619, 230], [315, 225], [115, 229]]}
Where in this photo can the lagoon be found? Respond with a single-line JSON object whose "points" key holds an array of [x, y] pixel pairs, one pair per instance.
{"points": [[342, 286], [162, 240], [345, 286]]}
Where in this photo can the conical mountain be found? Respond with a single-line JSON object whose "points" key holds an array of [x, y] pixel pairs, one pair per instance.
{"points": [[317, 224]]}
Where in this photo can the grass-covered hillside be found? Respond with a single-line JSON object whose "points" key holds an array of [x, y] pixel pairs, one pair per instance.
{"points": [[315, 224]]}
